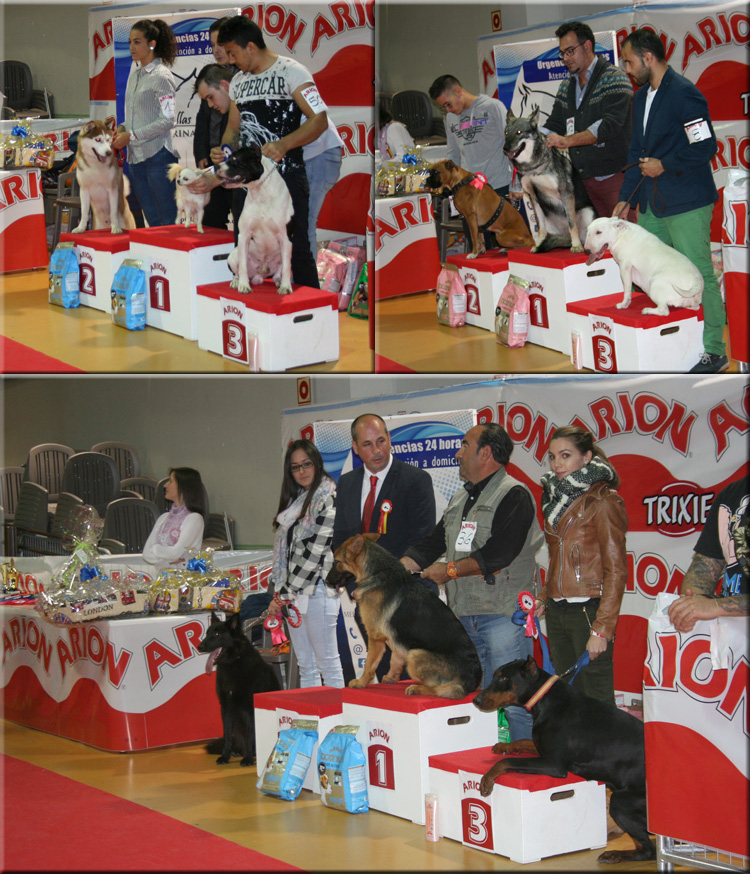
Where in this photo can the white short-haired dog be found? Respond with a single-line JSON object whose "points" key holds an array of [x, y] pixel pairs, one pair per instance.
{"points": [[666, 275], [190, 205]]}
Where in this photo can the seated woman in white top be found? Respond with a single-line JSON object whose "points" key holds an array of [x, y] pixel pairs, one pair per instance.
{"points": [[393, 137], [178, 534]]}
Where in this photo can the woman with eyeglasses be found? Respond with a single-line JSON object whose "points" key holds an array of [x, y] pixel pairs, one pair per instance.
{"points": [[302, 557]]}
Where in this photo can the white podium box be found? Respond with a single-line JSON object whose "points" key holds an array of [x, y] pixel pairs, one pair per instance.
{"points": [[625, 341], [276, 710], [100, 255], [288, 331], [557, 278], [399, 733], [525, 818], [484, 279], [176, 260]]}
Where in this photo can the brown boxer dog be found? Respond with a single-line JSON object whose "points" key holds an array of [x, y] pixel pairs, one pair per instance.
{"points": [[482, 207]]}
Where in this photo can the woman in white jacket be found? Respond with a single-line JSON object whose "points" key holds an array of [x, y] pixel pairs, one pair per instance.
{"points": [[178, 534]]}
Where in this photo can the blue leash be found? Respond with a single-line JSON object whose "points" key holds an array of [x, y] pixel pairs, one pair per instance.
{"points": [[519, 617]]}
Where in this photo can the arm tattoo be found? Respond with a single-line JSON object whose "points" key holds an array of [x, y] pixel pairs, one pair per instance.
{"points": [[703, 575], [734, 606]]}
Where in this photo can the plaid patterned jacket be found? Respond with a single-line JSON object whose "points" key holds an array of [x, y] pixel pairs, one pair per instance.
{"points": [[303, 554]]}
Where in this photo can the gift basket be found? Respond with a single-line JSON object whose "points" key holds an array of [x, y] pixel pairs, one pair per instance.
{"points": [[80, 591], [23, 149], [405, 175], [198, 587]]}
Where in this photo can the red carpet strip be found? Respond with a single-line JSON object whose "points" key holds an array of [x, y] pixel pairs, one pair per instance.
{"points": [[16, 357], [52, 823], [386, 365]]}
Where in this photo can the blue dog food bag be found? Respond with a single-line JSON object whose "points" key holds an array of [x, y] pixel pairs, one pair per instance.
{"points": [[129, 296], [342, 770], [288, 763], [63, 276]]}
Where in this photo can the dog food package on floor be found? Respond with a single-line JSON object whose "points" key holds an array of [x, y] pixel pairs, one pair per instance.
{"points": [[359, 305], [512, 313], [342, 770], [63, 276], [129, 296], [288, 763], [451, 297], [331, 269]]}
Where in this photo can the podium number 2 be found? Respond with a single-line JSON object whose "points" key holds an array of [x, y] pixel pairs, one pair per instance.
{"points": [[87, 279]]}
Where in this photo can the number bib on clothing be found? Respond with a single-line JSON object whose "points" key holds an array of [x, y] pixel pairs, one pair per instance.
{"points": [[466, 537]]}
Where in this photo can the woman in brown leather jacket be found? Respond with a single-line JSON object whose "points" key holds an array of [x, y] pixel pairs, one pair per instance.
{"points": [[585, 525]]}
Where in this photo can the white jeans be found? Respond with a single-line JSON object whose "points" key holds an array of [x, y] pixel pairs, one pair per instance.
{"points": [[315, 643]]}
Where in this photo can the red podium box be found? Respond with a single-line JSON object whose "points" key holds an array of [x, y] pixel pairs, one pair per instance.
{"points": [[176, 260], [399, 734], [557, 278], [625, 341], [276, 710], [525, 818], [23, 237], [294, 330], [100, 255], [484, 279]]}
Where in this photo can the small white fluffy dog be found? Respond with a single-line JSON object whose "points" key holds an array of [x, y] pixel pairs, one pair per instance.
{"points": [[666, 275], [190, 205]]}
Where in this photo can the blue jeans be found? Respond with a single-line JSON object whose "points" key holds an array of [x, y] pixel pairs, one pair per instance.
{"points": [[153, 189], [322, 173], [498, 641]]}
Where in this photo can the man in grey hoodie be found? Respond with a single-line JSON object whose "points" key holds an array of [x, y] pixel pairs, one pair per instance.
{"points": [[475, 131]]}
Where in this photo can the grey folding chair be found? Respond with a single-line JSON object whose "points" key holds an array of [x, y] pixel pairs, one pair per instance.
{"points": [[130, 520], [124, 454], [46, 465], [94, 477]]}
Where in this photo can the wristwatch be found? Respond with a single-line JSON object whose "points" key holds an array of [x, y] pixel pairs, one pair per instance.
{"points": [[452, 570]]}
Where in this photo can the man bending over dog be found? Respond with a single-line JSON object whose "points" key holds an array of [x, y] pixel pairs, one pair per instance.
{"points": [[475, 132], [490, 536], [268, 99], [592, 116]]}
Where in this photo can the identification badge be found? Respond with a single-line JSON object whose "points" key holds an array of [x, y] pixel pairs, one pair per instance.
{"points": [[570, 126], [315, 102], [466, 536], [697, 130], [166, 102]]}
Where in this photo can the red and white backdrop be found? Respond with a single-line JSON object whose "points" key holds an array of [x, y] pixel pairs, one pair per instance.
{"points": [[705, 42], [674, 440], [120, 685], [334, 41]]}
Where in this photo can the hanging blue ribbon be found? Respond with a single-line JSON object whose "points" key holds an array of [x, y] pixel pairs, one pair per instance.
{"points": [[410, 159], [19, 131], [89, 571], [519, 617], [197, 564]]}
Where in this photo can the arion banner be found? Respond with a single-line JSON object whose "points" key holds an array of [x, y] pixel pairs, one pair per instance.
{"points": [[674, 440], [335, 42]]}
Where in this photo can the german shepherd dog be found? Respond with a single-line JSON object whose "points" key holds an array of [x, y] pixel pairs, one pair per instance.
{"points": [[420, 629], [562, 207], [240, 673], [574, 733], [102, 183]]}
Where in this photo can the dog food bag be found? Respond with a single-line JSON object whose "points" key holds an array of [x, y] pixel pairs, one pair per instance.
{"points": [[512, 313], [359, 306], [129, 296], [450, 294], [289, 761], [342, 770], [63, 276], [331, 269]]}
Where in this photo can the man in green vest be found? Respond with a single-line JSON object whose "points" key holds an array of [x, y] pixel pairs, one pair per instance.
{"points": [[490, 536]]}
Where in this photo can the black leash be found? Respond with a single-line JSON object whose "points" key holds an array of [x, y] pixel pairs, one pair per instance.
{"points": [[656, 191]]}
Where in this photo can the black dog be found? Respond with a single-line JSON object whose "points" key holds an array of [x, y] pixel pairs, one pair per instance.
{"points": [[240, 673], [574, 733]]}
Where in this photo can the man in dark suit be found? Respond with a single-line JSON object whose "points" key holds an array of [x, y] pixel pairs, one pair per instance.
{"points": [[384, 495]]}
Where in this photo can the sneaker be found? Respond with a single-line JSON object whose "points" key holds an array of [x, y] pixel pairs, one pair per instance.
{"points": [[711, 363]]}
